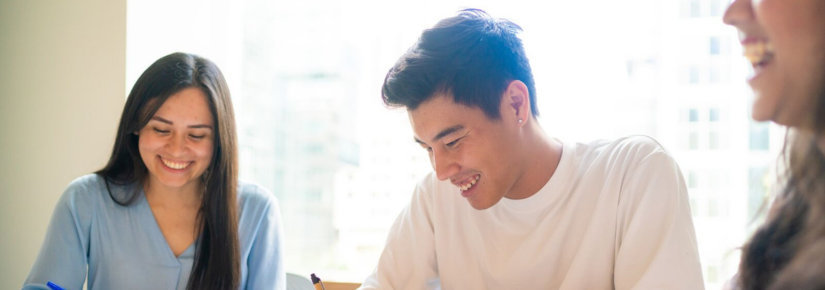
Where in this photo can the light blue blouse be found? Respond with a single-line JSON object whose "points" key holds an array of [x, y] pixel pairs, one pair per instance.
{"points": [[123, 247]]}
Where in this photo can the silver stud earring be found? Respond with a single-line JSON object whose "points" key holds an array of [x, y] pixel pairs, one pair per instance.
{"points": [[520, 121]]}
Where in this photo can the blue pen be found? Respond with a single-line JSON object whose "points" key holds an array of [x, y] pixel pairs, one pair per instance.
{"points": [[54, 286]]}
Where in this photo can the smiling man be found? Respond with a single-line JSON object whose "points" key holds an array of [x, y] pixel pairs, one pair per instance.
{"points": [[507, 206]]}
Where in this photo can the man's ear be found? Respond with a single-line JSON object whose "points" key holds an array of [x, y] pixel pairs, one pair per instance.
{"points": [[516, 101]]}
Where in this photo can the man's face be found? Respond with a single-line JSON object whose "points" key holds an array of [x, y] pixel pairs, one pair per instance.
{"points": [[475, 153]]}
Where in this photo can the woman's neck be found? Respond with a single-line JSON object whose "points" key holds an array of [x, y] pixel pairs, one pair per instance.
{"points": [[187, 196]]}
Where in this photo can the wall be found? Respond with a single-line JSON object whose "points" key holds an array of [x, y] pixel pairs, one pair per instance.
{"points": [[62, 88]]}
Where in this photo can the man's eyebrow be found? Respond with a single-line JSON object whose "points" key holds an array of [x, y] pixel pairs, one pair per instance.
{"points": [[199, 126], [443, 133]]}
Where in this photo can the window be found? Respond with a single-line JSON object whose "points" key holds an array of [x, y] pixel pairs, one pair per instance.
{"points": [[695, 10], [693, 141], [718, 179], [717, 8], [716, 73], [693, 115], [693, 179], [713, 140], [759, 136], [714, 115], [694, 75], [713, 207], [715, 45], [757, 190], [684, 8], [713, 273], [304, 78]]}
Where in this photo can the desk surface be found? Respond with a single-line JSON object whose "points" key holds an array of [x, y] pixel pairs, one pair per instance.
{"points": [[341, 286]]}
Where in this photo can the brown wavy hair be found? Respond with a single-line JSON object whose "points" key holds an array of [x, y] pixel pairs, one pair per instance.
{"points": [[788, 250], [217, 257]]}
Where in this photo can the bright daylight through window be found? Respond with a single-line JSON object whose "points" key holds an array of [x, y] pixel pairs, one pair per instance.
{"points": [[305, 77]]}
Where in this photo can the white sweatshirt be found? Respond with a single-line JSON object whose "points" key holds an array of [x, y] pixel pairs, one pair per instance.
{"points": [[614, 215]]}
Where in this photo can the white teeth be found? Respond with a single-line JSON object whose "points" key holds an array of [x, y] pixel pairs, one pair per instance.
{"points": [[758, 52], [470, 185], [175, 165]]}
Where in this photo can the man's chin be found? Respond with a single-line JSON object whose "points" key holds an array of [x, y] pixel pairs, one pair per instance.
{"points": [[480, 204]]}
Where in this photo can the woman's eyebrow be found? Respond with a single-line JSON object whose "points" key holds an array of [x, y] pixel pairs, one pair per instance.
{"points": [[199, 126]]}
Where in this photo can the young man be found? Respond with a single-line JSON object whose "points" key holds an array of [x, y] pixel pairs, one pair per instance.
{"points": [[507, 207]]}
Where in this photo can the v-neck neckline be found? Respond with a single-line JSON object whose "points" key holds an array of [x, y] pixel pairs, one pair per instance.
{"points": [[162, 246]]}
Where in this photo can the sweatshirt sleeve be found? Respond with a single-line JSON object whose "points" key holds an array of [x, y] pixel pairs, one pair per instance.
{"points": [[656, 246], [63, 256], [408, 260]]}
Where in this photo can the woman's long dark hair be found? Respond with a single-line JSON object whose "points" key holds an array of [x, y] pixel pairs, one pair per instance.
{"points": [[788, 251], [217, 258]]}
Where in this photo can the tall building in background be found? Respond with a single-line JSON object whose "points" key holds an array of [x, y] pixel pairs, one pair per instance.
{"points": [[301, 109], [297, 130]]}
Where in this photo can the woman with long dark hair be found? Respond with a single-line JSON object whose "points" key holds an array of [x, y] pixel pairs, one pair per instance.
{"points": [[167, 211], [785, 42]]}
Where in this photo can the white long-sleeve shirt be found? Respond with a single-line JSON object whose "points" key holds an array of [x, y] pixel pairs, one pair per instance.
{"points": [[614, 215]]}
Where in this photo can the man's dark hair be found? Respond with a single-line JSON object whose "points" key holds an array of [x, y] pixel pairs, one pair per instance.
{"points": [[471, 56]]}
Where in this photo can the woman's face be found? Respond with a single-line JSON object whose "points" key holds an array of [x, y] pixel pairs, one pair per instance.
{"points": [[177, 143], [785, 42]]}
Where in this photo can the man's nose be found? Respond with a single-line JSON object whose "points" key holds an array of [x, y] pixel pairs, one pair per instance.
{"points": [[444, 165]]}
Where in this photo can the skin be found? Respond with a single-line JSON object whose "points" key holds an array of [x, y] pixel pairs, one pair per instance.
{"points": [[786, 88], [181, 131], [512, 159]]}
